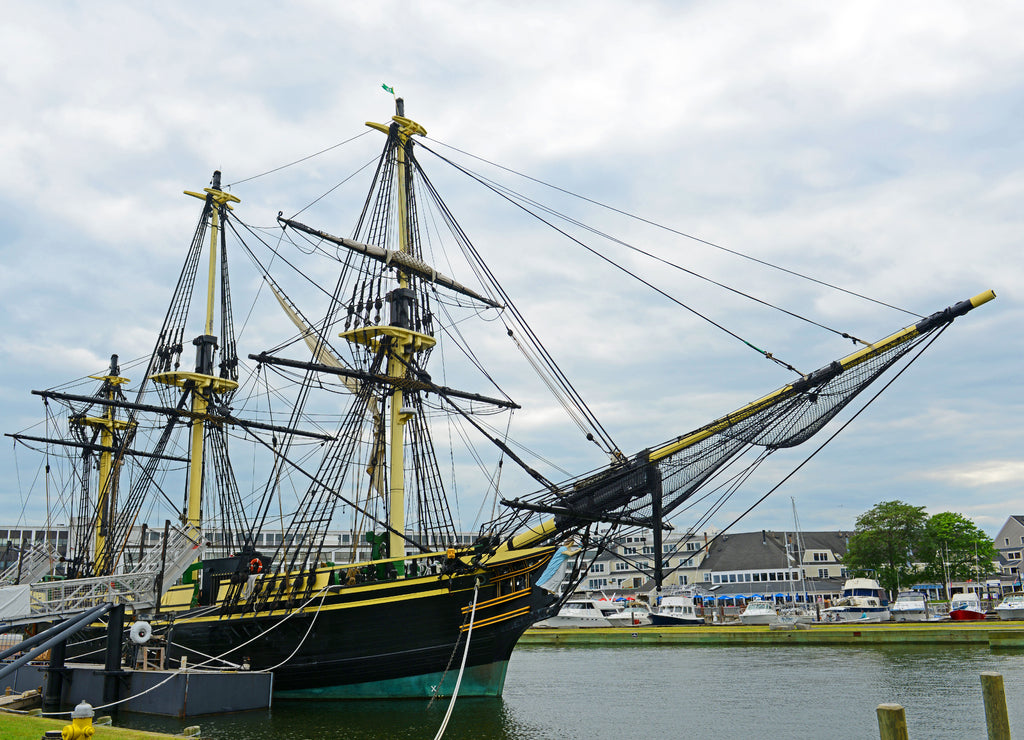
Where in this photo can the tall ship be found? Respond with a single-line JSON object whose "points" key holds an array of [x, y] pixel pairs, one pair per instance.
{"points": [[343, 423]]}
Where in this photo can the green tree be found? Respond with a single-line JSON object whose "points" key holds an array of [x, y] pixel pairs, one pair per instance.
{"points": [[953, 545], [885, 542]]}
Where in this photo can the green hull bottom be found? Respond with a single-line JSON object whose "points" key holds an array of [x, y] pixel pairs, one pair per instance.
{"points": [[483, 680]]}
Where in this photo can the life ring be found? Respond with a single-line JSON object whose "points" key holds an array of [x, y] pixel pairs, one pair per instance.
{"points": [[141, 632], [255, 566]]}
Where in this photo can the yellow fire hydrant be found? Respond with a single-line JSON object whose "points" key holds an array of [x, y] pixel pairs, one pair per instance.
{"points": [[81, 723]]}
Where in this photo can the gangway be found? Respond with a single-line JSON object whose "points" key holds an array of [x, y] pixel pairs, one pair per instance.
{"points": [[140, 589]]}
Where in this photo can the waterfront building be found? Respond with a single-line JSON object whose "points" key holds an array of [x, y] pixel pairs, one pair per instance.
{"points": [[1010, 544], [769, 562]]}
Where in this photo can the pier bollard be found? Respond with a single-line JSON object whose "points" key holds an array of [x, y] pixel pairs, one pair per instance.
{"points": [[996, 719], [892, 722]]}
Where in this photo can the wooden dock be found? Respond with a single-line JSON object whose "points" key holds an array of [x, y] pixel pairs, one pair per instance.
{"points": [[995, 635]]}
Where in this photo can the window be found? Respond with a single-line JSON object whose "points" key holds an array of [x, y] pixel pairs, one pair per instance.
{"points": [[821, 557], [597, 568], [597, 583], [757, 577], [1013, 555], [746, 577], [696, 545], [715, 579], [648, 550], [707, 577], [732, 578], [822, 572], [621, 566]]}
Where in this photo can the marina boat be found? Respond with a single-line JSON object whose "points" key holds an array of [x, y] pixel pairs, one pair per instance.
{"points": [[341, 420], [910, 606], [674, 611], [759, 611], [631, 614], [1011, 607], [863, 600], [966, 607], [577, 612]]}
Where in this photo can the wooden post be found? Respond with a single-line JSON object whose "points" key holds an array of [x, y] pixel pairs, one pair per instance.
{"points": [[996, 719], [892, 722]]}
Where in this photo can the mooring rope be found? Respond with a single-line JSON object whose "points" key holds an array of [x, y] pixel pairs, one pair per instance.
{"points": [[462, 668]]}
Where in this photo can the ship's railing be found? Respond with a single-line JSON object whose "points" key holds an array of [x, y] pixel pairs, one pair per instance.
{"points": [[33, 563], [141, 589]]}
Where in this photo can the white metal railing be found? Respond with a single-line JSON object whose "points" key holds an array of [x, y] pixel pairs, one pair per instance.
{"points": [[142, 588], [33, 563]]}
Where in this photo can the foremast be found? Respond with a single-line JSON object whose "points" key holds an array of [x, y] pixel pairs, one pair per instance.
{"points": [[399, 338], [203, 384]]}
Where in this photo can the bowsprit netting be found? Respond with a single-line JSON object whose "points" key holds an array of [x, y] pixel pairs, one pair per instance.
{"points": [[647, 488]]}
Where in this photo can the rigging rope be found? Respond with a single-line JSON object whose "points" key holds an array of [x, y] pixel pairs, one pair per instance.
{"points": [[669, 229], [462, 667], [635, 276], [297, 161]]}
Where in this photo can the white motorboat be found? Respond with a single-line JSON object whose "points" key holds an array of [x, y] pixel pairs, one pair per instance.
{"points": [[910, 606], [863, 600], [759, 611], [631, 614], [1011, 607], [577, 612]]}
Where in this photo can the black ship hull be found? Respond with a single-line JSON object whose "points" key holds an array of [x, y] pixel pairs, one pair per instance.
{"points": [[397, 639]]}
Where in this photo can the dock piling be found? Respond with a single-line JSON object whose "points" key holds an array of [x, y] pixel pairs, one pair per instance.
{"points": [[892, 722], [996, 718]]}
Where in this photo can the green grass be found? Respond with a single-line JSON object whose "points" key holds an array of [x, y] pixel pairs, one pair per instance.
{"points": [[20, 727]]}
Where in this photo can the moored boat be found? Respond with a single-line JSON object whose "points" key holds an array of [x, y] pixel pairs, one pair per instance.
{"points": [[674, 611], [863, 600], [759, 611], [910, 606], [582, 612], [966, 607], [1011, 606]]}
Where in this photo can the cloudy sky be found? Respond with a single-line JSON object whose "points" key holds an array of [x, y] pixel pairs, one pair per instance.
{"points": [[874, 146]]}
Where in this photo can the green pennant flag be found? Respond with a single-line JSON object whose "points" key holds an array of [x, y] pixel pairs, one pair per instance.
{"points": [[389, 89]]}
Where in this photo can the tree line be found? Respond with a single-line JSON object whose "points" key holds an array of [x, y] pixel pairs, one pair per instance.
{"points": [[902, 546]]}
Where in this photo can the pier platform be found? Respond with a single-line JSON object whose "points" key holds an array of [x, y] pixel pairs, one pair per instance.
{"points": [[190, 693], [994, 635]]}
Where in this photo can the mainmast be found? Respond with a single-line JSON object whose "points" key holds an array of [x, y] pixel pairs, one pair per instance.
{"points": [[202, 383], [398, 339]]}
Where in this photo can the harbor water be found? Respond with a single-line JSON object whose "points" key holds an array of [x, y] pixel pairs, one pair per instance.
{"points": [[678, 691]]}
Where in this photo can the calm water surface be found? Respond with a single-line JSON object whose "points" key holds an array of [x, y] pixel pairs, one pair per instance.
{"points": [[657, 692]]}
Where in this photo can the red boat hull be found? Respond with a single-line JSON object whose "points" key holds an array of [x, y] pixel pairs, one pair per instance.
{"points": [[965, 615]]}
